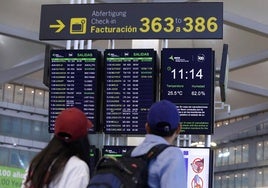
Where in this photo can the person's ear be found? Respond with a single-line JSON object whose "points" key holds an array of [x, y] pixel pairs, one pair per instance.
{"points": [[178, 129], [147, 128]]}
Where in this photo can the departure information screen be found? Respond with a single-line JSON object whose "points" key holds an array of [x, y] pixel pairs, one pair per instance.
{"points": [[116, 151], [129, 89], [74, 82], [187, 79]]}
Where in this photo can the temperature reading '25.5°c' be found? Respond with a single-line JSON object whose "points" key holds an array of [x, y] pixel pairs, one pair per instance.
{"points": [[187, 74]]}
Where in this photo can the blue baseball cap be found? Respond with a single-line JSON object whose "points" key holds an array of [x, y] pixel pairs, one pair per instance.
{"points": [[163, 116]]}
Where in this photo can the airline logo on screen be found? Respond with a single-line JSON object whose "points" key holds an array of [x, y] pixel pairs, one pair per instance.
{"points": [[200, 58]]}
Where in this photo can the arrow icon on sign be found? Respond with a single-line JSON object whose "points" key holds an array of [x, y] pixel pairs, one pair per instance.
{"points": [[60, 26]]}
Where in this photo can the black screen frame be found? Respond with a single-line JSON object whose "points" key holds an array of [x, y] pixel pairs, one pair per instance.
{"points": [[97, 90], [183, 57], [223, 77]]}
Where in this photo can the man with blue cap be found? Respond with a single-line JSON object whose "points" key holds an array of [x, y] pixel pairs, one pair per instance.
{"points": [[162, 127]]}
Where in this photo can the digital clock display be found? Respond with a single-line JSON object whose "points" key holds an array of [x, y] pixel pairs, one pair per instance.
{"points": [[74, 81], [187, 79], [129, 89]]}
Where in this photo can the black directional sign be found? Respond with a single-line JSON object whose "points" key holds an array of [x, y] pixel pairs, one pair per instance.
{"points": [[191, 20]]}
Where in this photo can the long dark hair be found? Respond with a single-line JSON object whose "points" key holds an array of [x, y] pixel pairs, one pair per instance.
{"points": [[54, 156]]}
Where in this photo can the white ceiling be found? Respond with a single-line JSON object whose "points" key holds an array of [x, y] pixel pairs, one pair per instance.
{"points": [[245, 31]]}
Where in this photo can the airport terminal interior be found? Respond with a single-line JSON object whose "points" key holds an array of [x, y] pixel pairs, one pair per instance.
{"points": [[239, 141]]}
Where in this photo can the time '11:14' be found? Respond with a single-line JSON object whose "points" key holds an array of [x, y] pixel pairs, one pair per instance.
{"points": [[188, 74]]}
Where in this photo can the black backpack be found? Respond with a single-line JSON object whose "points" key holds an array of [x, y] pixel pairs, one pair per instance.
{"points": [[124, 172]]}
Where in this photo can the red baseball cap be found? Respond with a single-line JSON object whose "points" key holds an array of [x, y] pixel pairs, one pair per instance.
{"points": [[72, 124]]}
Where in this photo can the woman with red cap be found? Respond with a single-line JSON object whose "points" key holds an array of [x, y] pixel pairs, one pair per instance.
{"points": [[64, 162]]}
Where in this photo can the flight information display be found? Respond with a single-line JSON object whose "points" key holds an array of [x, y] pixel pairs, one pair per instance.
{"points": [[187, 79], [129, 89], [74, 83], [116, 151]]}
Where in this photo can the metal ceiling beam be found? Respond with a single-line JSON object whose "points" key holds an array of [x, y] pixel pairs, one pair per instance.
{"points": [[27, 35], [248, 88], [245, 23], [241, 112], [22, 69], [32, 83], [248, 60]]}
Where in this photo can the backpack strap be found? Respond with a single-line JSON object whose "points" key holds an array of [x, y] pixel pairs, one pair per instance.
{"points": [[155, 151], [152, 153]]}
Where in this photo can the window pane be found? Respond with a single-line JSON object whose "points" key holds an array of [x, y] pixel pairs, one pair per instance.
{"points": [[4, 156], [18, 97], [218, 157], [26, 131], [217, 182], [6, 126], [8, 93], [238, 180], [29, 96], [36, 130], [225, 156], [225, 180], [20, 158], [259, 154], [231, 180], [1, 92], [265, 152], [232, 155], [45, 134], [14, 158], [16, 125], [238, 156], [245, 153], [24, 158], [259, 177], [39, 98], [245, 181], [265, 174], [46, 102]]}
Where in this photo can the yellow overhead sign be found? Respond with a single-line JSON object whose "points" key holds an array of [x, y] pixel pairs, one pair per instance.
{"points": [[172, 20]]}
